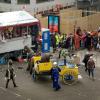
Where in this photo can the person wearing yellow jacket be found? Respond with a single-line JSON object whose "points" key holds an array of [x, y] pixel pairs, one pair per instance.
{"points": [[57, 39], [60, 40]]}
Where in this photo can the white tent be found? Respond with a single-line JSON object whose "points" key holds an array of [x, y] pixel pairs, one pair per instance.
{"points": [[16, 18]]}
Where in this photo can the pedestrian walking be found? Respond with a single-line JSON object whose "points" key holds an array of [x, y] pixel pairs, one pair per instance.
{"points": [[55, 76], [10, 74], [90, 67], [86, 58]]}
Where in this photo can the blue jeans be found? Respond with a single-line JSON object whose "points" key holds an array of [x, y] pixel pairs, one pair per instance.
{"points": [[91, 71], [56, 84]]}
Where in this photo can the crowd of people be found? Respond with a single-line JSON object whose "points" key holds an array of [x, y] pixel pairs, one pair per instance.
{"points": [[79, 40]]}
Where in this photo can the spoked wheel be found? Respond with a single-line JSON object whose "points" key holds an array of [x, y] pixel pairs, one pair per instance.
{"points": [[69, 79]]}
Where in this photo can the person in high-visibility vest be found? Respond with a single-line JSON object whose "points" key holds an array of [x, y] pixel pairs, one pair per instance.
{"points": [[60, 40], [57, 39]]}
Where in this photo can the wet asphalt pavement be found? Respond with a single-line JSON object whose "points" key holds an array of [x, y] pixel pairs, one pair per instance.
{"points": [[84, 89]]}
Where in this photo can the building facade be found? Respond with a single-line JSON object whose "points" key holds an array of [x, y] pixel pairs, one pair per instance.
{"points": [[32, 5], [88, 7], [92, 5]]}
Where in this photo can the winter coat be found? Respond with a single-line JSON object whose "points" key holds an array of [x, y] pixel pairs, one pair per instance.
{"points": [[90, 64], [10, 73], [55, 73]]}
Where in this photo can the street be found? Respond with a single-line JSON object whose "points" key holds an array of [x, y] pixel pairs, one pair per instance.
{"points": [[84, 89]]}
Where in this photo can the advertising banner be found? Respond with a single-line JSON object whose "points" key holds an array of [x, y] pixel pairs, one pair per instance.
{"points": [[45, 41], [54, 23]]}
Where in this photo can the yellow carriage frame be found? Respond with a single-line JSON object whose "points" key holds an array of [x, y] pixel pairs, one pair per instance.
{"points": [[69, 75]]}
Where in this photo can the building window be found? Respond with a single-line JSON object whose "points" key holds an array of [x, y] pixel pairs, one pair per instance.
{"points": [[41, 1], [23, 1], [5, 1]]}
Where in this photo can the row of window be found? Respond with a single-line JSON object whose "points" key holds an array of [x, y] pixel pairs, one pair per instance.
{"points": [[6, 1], [40, 1], [25, 1]]}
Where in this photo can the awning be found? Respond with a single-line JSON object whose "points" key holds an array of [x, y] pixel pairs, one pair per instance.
{"points": [[16, 18]]}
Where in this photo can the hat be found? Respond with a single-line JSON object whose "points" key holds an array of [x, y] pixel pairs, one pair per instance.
{"points": [[74, 55], [55, 63], [89, 32], [87, 52], [91, 57]]}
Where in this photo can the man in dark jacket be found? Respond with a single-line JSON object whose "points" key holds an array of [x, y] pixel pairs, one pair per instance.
{"points": [[86, 58], [91, 66], [10, 74], [88, 42]]}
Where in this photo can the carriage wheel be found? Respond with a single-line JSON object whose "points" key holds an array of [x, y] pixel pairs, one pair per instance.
{"points": [[69, 79]]}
